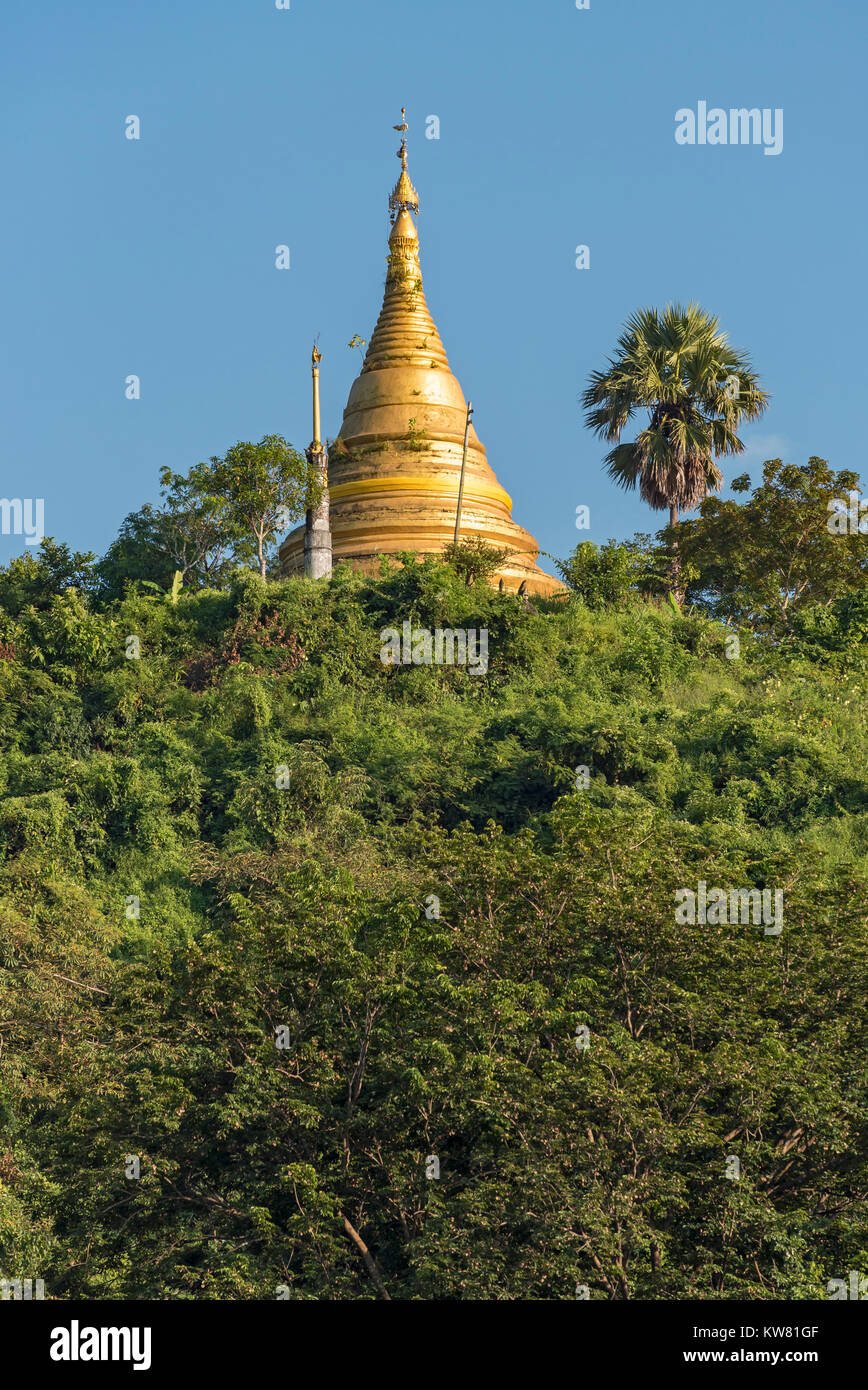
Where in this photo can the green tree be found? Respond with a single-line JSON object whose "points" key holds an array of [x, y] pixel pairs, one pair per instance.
{"points": [[139, 552], [611, 573], [34, 580], [679, 366], [191, 533], [764, 560], [200, 532], [266, 488]]}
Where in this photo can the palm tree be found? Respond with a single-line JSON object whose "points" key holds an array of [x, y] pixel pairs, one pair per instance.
{"points": [[680, 367]]}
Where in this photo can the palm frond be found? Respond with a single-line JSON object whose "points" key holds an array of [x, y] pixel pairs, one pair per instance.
{"points": [[677, 364]]}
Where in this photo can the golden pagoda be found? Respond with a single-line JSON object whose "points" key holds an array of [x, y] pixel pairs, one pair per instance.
{"points": [[395, 469]]}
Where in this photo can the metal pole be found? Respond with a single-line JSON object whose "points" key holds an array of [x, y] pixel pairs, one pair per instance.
{"points": [[463, 466]]}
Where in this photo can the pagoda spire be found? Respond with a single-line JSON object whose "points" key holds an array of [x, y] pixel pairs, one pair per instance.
{"points": [[405, 330], [404, 197]]}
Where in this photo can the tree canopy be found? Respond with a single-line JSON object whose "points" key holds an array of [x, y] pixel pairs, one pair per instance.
{"points": [[362, 981]]}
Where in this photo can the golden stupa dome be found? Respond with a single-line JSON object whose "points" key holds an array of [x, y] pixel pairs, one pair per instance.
{"points": [[394, 469]]}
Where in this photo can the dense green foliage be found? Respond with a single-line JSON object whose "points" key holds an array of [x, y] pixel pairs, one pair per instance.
{"points": [[227, 512], [766, 561], [243, 830]]}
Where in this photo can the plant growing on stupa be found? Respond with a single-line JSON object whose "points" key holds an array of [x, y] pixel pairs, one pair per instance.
{"points": [[417, 437], [679, 366]]}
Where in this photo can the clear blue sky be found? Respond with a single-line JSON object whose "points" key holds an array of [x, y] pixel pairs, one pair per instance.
{"points": [[262, 127]]}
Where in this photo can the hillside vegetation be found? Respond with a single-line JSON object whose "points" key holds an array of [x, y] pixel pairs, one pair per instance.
{"points": [[286, 925]]}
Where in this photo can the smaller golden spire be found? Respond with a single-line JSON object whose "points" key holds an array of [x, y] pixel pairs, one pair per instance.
{"points": [[315, 359], [404, 196]]}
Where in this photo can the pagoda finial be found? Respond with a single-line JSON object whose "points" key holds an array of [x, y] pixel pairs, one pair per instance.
{"points": [[315, 359], [404, 196]]}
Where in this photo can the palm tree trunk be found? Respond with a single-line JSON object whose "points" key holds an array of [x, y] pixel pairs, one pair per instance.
{"points": [[675, 566]]}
